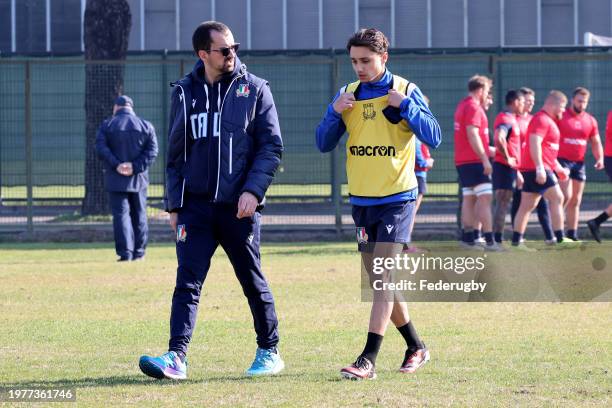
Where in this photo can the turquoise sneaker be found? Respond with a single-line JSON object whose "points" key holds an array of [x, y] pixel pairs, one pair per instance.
{"points": [[267, 362], [168, 365]]}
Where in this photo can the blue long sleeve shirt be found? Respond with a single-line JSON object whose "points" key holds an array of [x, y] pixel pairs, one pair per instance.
{"points": [[413, 109]]}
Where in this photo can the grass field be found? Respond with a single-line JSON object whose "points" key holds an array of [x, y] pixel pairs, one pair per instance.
{"points": [[72, 317]]}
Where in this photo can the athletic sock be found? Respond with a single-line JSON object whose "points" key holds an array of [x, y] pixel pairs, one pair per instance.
{"points": [[372, 347], [488, 238], [516, 202], [411, 337], [498, 237], [571, 234], [601, 218], [477, 234], [516, 238], [468, 237], [559, 235]]}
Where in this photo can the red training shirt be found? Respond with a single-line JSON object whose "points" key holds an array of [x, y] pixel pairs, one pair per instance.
{"points": [[469, 113], [513, 137], [576, 131], [544, 125]]}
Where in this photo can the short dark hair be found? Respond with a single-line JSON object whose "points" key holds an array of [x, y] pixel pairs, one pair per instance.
{"points": [[512, 95], [526, 91], [372, 38], [201, 38], [581, 91]]}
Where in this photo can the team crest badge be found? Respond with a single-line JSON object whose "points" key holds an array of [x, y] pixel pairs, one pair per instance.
{"points": [[181, 233], [243, 90], [362, 237], [368, 111]]}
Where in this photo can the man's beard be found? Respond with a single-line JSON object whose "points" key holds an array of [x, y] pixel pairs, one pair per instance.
{"points": [[577, 110], [228, 65]]}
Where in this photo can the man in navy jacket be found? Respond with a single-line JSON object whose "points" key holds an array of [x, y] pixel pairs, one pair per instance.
{"points": [[128, 146], [223, 150]]}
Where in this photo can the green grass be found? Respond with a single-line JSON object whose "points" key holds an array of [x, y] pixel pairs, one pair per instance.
{"points": [[72, 317]]}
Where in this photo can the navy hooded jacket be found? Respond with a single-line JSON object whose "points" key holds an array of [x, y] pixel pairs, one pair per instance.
{"points": [[126, 138], [224, 138]]}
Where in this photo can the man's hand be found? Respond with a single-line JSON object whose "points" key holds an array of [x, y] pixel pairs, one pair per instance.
{"points": [[562, 173], [173, 221], [599, 164], [492, 150], [246, 205], [540, 175], [487, 168], [512, 162], [344, 102], [395, 98], [430, 163], [125, 169], [519, 180]]}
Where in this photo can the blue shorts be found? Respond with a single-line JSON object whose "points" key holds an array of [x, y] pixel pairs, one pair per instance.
{"points": [[608, 167], [530, 185], [422, 185], [576, 169], [503, 176], [472, 174], [383, 223]]}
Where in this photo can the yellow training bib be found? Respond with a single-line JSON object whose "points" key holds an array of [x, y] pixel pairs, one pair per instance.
{"points": [[380, 154]]}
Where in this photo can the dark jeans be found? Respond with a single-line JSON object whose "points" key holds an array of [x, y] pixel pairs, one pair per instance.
{"points": [[201, 227]]}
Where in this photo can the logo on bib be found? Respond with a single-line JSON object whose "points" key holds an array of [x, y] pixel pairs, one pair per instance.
{"points": [[368, 111]]}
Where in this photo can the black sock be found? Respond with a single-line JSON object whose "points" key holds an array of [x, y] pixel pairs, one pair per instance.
{"points": [[477, 234], [498, 237], [410, 335], [601, 218], [516, 238], [571, 234], [559, 235], [468, 237], [489, 238], [372, 347]]}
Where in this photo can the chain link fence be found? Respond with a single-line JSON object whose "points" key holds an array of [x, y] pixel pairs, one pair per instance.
{"points": [[43, 126]]}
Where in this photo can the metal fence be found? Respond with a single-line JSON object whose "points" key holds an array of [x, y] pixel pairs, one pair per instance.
{"points": [[42, 124]]}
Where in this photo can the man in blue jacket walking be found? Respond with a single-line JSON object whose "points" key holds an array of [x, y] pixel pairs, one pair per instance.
{"points": [[223, 150], [128, 147]]}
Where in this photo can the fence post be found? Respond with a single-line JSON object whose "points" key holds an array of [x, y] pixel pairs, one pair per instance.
{"points": [[162, 141], [336, 185], [28, 146]]}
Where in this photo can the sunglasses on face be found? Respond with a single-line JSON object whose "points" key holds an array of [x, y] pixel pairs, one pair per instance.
{"points": [[225, 51]]}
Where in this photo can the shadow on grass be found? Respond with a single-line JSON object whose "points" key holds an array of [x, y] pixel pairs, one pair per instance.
{"points": [[113, 381]]}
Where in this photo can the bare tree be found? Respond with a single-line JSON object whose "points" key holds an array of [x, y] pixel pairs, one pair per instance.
{"points": [[107, 25]]}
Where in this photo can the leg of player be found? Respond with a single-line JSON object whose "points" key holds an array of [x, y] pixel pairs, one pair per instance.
{"points": [[484, 198], [596, 222], [529, 201], [544, 220], [554, 195], [572, 210], [502, 202], [566, 189], [417, 354], [467, 217]]}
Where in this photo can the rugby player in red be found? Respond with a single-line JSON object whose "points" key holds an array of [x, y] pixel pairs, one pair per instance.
{"points": [[472, 162], [507, 138], [578, 128], [596, 222], [542, 208], [539, 165]]}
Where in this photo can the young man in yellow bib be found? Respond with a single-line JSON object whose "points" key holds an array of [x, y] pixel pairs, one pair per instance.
{"points": [[383, 115]]}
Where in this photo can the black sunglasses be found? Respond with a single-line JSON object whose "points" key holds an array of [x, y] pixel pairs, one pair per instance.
{"points": [[225, 51]]}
